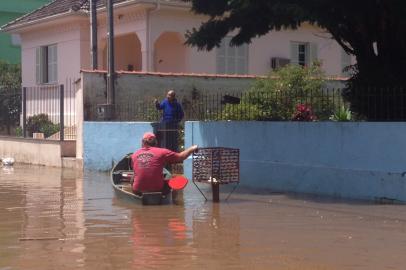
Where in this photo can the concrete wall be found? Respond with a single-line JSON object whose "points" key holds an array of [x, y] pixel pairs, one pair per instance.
{"points": [[142, 86], [105, 143], [360, 160], [38, 152], [138, 86]]}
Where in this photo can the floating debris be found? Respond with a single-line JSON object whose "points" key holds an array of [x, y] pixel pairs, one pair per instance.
{"points": [[40, 239], [8, 161]]}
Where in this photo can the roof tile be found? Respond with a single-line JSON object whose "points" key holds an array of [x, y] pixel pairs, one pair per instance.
{"points": [[58, 7]]}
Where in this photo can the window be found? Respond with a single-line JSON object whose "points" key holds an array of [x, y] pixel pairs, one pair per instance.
{"points": [[232, 60], [303, 53], [345, 63], [46, 64]]}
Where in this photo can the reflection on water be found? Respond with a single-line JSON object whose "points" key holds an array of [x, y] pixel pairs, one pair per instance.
{"points": [[60, 219]]}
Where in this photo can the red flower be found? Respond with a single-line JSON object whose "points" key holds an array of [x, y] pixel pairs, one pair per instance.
{"points": [[303, 113]]}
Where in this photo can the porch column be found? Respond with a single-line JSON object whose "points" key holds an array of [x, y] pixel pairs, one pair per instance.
{"points": [[143, 37], [145, 65]]}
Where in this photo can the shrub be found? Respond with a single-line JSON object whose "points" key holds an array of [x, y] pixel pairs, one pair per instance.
{"points": [[342, 114], [303, 113], [41, 123], [276, 97], [19, 132], [242, 112], [49, 129]]}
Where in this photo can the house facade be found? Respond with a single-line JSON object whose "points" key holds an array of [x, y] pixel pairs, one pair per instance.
{"points": [[10, 43], [149, 37]]}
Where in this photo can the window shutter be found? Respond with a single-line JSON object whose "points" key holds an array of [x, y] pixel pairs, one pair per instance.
{"points": [[242, 59], [313, 52], [221, 58], [38, 70], [345, 62], [231, 59], [55, 62], [221, 51], [221, 65], [52, 63], [294, 53]]}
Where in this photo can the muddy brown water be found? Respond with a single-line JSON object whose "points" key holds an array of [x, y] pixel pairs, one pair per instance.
{"points": [[59, 219]]}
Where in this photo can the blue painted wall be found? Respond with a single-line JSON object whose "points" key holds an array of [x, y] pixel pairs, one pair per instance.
{"points": [[105, 143], [362, 160]]}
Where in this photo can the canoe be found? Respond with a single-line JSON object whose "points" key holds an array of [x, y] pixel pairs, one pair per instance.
{"points": [[121, 176]]}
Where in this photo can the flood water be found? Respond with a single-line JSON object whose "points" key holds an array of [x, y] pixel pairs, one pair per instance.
{"points": [[59, 219]]}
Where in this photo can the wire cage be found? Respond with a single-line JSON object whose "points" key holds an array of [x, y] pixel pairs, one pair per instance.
{"points": [[216, 165]]}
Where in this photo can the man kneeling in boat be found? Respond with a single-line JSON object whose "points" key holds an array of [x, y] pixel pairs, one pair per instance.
{"points": [[148, 163]]}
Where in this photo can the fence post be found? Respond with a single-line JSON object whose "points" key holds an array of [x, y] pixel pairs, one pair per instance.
{"points": [[62, 112], [24, 112]]}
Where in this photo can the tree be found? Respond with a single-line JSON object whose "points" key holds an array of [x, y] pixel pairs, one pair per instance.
{"points": [[10, 95], [373, 31]]}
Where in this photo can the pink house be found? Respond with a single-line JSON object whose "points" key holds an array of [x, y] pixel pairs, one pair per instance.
{"points": [[149, 36]]}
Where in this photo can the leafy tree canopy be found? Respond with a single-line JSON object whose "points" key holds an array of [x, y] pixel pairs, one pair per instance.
{"points": [[373, 31], [10, 77], [10, 95], [355, 25]]}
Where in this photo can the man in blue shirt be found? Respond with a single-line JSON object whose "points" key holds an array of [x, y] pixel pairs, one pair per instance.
{"points": [[172, 115], [172, 110]]}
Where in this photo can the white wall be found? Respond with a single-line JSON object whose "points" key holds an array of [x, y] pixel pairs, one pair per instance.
{"points": [[274, 44], [73, 38], [71, 42], [277, 44], [30, 151], [180, 21]]}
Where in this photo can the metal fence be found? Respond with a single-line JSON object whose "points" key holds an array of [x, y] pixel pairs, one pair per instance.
{"points": [[263, 106], [229, 106], [49, 111], [42, 112], [367, 104]]}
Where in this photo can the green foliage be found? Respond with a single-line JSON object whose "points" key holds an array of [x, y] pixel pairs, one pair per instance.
{"points": [[10, 95], [276, 97], [49, 129], [10, 77], [244, 111], [19, 132], [41, 123], [342, 114], [373, 31], [152, 114]]}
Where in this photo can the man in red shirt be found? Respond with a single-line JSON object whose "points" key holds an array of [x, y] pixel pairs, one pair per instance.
{"points": [[149, 161]]}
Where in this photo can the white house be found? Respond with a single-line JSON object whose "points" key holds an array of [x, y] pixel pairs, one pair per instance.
{"points": [[149, 36]]}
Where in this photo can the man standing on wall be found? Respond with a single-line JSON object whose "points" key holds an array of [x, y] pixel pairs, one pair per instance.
{"points": [[172, 114]]}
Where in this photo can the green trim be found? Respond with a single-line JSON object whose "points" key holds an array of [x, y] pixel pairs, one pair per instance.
{"points": [[9, 11]]}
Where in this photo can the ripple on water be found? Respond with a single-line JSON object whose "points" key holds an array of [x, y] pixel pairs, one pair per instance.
{"points": [[62, 219]]}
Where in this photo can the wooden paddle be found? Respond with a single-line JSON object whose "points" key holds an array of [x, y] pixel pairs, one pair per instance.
{"points": [[177, 182]]}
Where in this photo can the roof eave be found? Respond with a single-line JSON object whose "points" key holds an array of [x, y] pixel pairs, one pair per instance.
{"points": [[22, 26], [147, 3]]}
